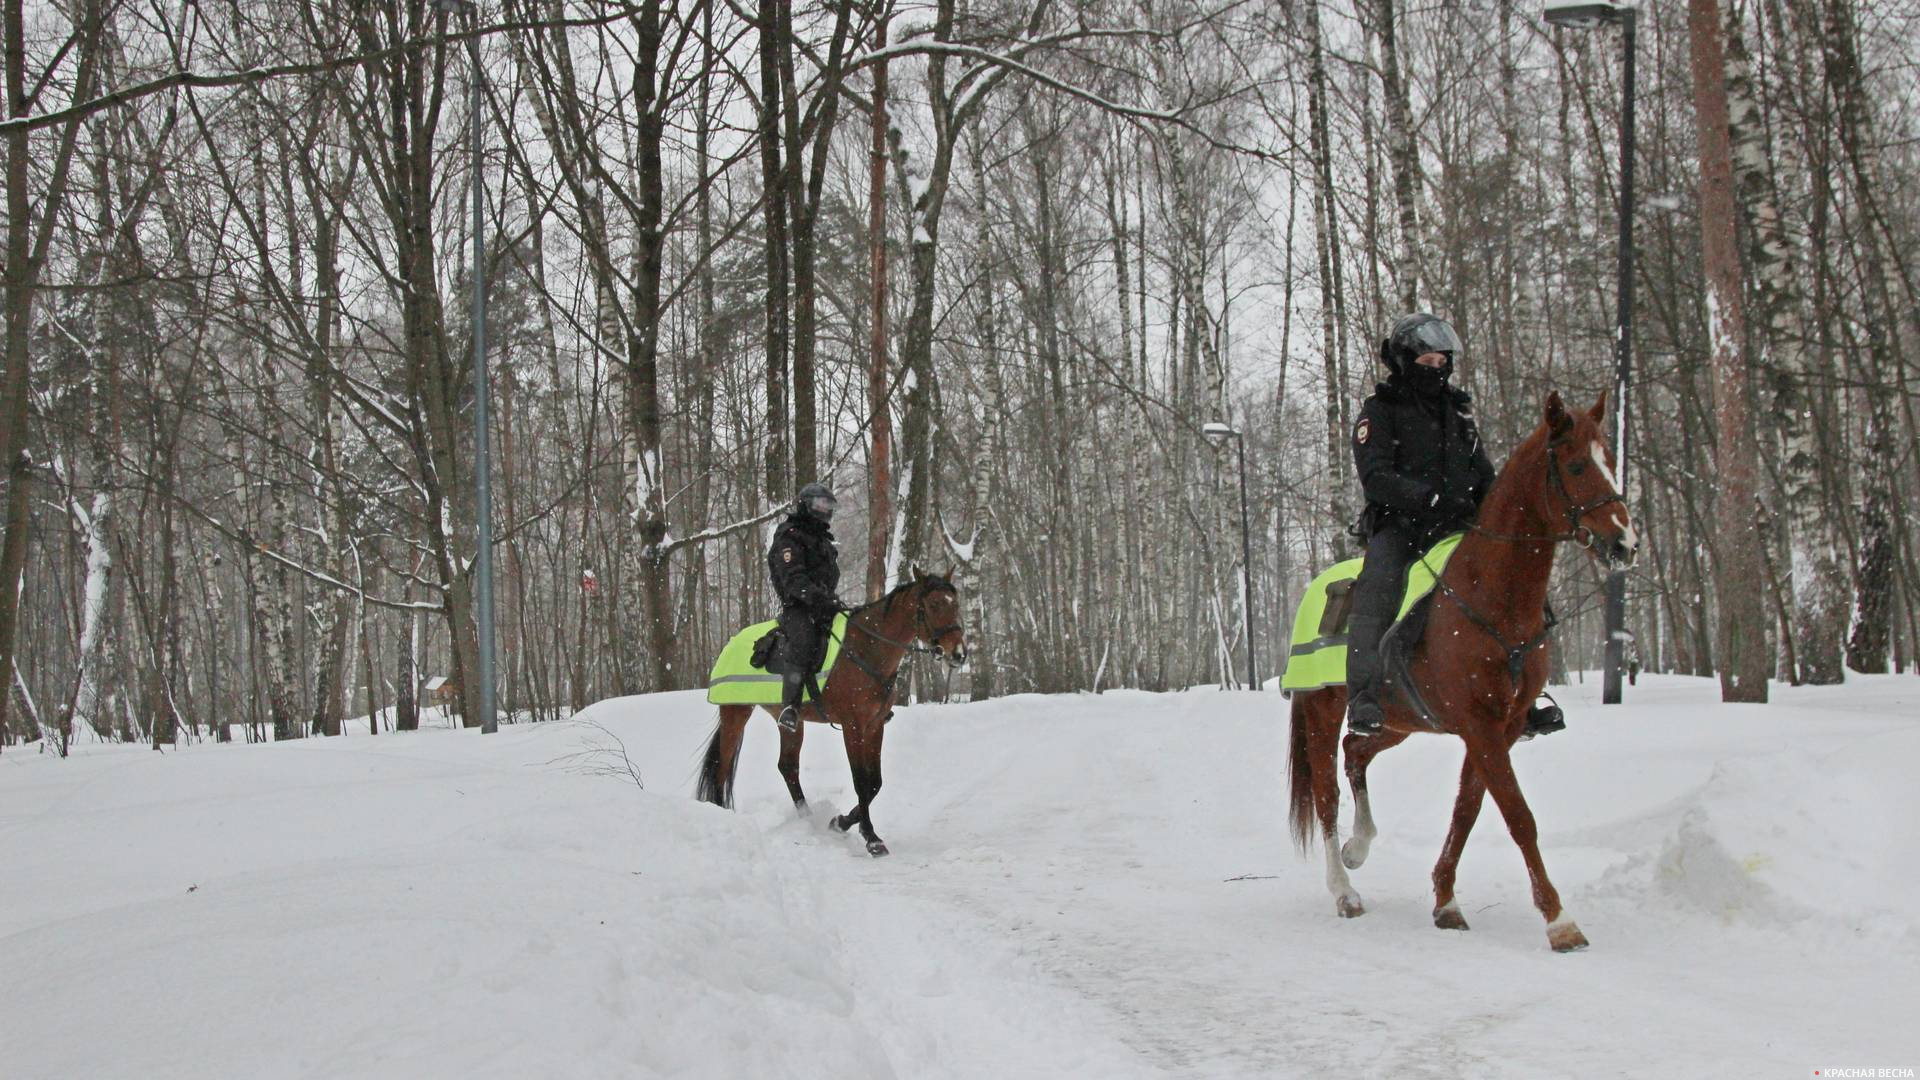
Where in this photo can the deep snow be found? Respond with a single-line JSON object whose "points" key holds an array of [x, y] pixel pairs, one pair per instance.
{"points": [[1088, 886]]}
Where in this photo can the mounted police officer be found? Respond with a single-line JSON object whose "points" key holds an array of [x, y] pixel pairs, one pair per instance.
{"points": [[1424, 473], [805, 565]]}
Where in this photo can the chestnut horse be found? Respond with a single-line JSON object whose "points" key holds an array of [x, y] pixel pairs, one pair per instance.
{"points": [[1479, 666], [922, 614]]}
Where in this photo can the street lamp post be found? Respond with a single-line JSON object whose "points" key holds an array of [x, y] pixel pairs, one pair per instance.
{"points": [[482, 456], [1583, 14], [1215, 432]]}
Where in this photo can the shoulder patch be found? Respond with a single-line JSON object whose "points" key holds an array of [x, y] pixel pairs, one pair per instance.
{"points": [[1365, 429], [786, 555]]}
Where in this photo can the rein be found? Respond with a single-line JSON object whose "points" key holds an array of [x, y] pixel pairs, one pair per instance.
{"points": [[1578, 533], [887, 682], [1516, 654]]}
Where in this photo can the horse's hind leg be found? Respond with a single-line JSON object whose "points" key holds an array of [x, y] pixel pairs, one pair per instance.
{"points": [[1323, 733], [790, 765], [1359, 752], [1466, 810]]}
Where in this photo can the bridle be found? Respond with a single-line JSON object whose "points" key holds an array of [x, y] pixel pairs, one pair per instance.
{"points": [[1577, 530], [931, 633]]}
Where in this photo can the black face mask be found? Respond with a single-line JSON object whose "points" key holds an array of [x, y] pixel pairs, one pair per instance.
{"points": [[1427, 380]]}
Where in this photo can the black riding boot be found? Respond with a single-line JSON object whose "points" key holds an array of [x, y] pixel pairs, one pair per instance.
{"points": [[1364, 714], [794, 686]]}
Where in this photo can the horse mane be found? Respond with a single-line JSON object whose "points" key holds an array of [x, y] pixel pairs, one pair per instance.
{"points": [[933, 581], [1528, 450]]}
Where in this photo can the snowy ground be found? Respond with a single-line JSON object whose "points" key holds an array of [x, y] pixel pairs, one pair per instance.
{"points": [[1080, 886]]}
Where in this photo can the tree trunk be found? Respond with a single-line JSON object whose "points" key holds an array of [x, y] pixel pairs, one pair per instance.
{"points": [[1403, 157], [879, 403], [1868, 643], [1737, 566], [1815, 580], [643, 362], [1332, 301], [778, 476], [29, 229]]}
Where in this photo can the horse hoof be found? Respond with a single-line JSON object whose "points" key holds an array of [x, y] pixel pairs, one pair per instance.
{"points": [[876, 849], [842, 823], [1353, 853], [800, 807], [1564, 936], [1349, 906], [1449, 918]]}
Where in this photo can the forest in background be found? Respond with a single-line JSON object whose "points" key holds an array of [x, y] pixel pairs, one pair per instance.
{"points": [[987, 268]]}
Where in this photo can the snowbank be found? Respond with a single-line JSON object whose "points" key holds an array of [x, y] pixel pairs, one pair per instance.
{"points": [[1092, 886]]}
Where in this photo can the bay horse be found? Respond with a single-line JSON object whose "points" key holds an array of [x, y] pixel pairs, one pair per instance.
{"points": [[921, 614], [1479, 666]]}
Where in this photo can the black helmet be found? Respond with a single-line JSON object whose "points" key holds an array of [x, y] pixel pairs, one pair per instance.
{"points": [[817, 500], [1416, 335]]}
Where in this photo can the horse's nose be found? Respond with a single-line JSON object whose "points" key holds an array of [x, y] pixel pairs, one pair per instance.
{"points": [[1622, 552], [960, 654]]}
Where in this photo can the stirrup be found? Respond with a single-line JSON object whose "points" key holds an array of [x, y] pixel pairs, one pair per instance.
{"points": [[1544, 720], [789, 719]]}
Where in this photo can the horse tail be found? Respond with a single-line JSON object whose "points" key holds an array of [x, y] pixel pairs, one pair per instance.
{"points": [[718, 765], [1300, 812]]}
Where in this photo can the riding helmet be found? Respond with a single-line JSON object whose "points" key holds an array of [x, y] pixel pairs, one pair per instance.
{"points": [[1416, 335], [817, 500]]}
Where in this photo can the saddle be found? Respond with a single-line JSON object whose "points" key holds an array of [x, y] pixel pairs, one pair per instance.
{"points": [[748, 670], [1318, 656]]}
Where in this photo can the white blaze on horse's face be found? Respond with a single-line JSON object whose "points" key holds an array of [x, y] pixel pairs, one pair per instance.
{"points": [[1617, 511], [1600, 458]]}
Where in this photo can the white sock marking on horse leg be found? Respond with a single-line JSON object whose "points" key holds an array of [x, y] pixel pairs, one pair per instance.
{"points": [[1565, 920], [1357, 846], [1338, 883]]}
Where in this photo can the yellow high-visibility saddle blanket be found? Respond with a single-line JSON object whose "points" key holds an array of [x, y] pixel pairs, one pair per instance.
{"points": [[735, 681], [1318, 655]]}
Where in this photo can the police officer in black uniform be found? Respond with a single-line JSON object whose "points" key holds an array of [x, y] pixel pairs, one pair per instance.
{"points": [[805, 564], [1424, 473]]}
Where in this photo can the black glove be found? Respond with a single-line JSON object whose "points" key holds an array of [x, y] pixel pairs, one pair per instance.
{"points": [[1450, 507]]}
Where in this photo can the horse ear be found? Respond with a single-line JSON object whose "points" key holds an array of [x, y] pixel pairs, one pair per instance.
{"points": [[952, 568], [1599, 410], [1557, 419], [914, 573]]}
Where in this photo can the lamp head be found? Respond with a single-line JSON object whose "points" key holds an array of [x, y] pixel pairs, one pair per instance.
{"points": [[1585, 14]]}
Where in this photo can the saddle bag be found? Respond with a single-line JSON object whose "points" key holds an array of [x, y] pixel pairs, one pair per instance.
{"points": [[766, 651], [1333, 617]]}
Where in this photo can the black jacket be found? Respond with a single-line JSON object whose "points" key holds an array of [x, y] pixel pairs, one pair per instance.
{"points": [[1409, 447], [805, 563]]}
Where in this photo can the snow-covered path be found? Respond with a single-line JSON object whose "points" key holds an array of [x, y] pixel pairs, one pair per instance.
{"points": [[1080, 886]]}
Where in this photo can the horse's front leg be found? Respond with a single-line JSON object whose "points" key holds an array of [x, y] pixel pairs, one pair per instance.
{"points": [[790, 765], [1489, 751], [863, 756], [1466, 810]]}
